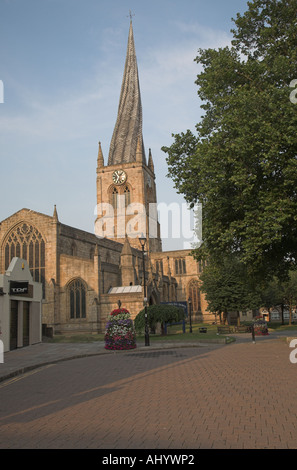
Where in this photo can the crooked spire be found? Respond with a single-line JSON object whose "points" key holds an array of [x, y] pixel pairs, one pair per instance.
{"points": [[128, 128]]}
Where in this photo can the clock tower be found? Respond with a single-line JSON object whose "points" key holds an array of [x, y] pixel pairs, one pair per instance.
{"points": [[126, 189]]}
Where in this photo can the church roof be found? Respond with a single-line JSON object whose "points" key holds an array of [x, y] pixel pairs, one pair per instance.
{"points": [[125, 290], [128, 128]]}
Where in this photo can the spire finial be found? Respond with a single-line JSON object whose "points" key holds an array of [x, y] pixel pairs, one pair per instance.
{"points": [[131, 15]]}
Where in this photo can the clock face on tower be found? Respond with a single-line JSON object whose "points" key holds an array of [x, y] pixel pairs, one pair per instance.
{"points": [[119, 176]]}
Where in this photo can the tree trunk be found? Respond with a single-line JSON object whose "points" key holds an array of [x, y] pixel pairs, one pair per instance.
{"points": [[290, 314], [220, 316], [282, 310], [226, 320]]}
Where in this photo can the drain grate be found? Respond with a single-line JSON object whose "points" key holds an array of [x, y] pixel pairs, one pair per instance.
{"points": [[155, 354]]}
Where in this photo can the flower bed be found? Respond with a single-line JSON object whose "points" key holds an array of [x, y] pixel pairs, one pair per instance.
{"points": [[260, 328], [120, 333]]}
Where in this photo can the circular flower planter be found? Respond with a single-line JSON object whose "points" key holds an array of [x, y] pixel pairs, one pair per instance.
{"points": [[119, 332], [260, 328]]}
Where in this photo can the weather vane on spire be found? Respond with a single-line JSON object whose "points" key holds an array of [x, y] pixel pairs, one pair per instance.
{"points": [[131, 15]]}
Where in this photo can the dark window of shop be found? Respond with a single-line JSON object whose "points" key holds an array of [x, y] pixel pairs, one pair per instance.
{"points": [[26, 242], [26, 323], [77, 299], [13, 324]]}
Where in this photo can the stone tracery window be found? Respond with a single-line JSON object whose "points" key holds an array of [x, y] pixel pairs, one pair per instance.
{"points": [[77, 299], [194, 295], [114, 198], [127, 196], [180, 266], [26, 242]]}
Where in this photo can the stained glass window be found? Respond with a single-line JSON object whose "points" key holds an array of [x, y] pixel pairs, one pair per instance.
{"points": [[77, 299]]}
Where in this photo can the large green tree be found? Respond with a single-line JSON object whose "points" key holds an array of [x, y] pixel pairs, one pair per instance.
{"points": [[241, 163]]}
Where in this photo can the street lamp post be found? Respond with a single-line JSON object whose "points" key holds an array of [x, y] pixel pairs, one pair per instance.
{"points": [[142, 241], [190, 312]]}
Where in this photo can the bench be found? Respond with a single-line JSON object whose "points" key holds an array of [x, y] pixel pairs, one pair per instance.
{"points": [[222, 330], [241, 329]]}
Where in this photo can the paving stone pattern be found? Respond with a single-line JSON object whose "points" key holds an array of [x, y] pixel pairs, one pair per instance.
{"points": [[238, 396]]}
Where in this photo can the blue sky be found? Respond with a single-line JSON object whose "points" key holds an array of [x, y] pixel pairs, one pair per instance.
{"points": [[61, 64]]}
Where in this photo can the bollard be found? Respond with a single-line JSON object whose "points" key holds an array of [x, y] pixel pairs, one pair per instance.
{"points": [[253, 333]]}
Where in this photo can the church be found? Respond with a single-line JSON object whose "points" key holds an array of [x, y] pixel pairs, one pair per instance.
{"points": [[84, 275]]}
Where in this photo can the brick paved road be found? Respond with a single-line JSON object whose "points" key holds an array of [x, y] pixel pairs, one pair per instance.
{"points": [[229, 397]]}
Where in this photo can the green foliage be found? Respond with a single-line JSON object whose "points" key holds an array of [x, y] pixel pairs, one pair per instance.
{"points": [[242, 163], [272, 294], [162, 313], [228, 288], [289, 289], [279, 293]]}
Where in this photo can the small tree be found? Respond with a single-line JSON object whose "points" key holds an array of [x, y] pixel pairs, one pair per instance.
{"points": [[289, 289], [228, 288], [162, 313], [279, 293], [272, 296]]}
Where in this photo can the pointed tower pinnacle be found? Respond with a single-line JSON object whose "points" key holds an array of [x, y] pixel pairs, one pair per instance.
{"points": [[150, 163], [100, 160], [55, 214], [128, 128]]}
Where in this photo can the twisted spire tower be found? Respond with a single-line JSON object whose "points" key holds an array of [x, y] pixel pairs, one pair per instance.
{"points": [[128, 129]]}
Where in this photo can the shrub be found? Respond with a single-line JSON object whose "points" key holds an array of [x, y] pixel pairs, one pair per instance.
{"points": [[162, 313]]}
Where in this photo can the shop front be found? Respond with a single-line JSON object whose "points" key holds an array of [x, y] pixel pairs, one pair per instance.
{"points": [[20, 307]]}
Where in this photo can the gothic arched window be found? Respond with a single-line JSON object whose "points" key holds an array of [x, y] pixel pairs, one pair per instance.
{"points": [[77, 299], [73, 249], [180, 266], [127, 196], [194, 295], [26, 242], [114, 198]]}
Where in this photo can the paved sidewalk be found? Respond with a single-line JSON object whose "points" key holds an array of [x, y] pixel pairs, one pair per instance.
{"points": [[234, 396], [24, 359]]}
